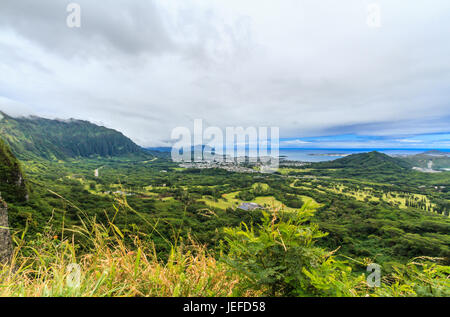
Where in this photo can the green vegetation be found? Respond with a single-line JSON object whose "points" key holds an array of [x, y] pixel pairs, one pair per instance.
{"points": [[12, 185], [57, 139], [199, 204], [161, 230], [432, 159], [109, 266], [280, 258], [277, 258], [367, 163]]}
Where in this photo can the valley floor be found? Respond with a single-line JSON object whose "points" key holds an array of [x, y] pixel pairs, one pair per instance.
{"points": [[385, 220]]}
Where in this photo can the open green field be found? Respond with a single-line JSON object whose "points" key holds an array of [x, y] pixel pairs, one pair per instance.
{"points": [[230, 200], [263, 186], [369, 194], [306, 186], [288, 170]]}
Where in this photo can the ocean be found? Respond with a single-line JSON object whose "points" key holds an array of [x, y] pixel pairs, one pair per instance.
{"points": [[321, 155]]}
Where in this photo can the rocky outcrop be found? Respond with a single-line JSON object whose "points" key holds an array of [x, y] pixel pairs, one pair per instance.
{"points": [[13, 187], [5, 237]]}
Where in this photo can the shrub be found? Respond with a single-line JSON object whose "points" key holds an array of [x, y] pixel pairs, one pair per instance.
{"points": [[280, 258]]}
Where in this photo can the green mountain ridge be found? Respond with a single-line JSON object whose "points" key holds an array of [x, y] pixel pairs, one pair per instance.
{"points": [[375, 165], [62, 139], [366, 162]]}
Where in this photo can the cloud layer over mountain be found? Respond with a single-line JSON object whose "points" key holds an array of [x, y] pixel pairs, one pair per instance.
{"points": [[313, 68]]}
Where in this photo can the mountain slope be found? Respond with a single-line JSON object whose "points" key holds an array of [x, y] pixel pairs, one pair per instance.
{"points": [[58, 139], [366, 163], [12, 184], [431, 159], [13, 189]]}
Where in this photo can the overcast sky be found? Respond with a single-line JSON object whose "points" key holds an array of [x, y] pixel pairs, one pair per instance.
{"points": [[314, 68]]}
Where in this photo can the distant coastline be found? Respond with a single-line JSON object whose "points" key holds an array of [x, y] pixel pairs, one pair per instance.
{"points": [[329, 154], [321, 155]]}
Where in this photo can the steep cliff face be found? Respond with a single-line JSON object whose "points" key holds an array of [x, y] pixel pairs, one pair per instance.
{"points": [[12, 184], [5, 237], [13, 189]]}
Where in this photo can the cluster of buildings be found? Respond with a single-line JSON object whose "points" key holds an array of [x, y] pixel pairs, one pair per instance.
{"points": [[293, 164], [229, 166]]}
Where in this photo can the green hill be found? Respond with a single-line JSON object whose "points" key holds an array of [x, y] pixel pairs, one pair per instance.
{"points": [[366, 163], [12, 184], [431, 159], [58, 139]]}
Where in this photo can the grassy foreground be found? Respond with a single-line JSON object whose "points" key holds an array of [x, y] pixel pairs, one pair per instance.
{"points": [[277, 258], [52, 268]]}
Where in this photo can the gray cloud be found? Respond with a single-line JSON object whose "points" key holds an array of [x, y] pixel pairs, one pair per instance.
{"points": [[309, 67], [128, 27]]}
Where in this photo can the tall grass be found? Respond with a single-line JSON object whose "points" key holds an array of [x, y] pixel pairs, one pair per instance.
{"points": [[49, 266], [93, 260]]}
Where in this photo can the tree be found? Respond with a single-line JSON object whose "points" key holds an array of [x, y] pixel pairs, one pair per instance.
{"points": [[280, 257]]}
